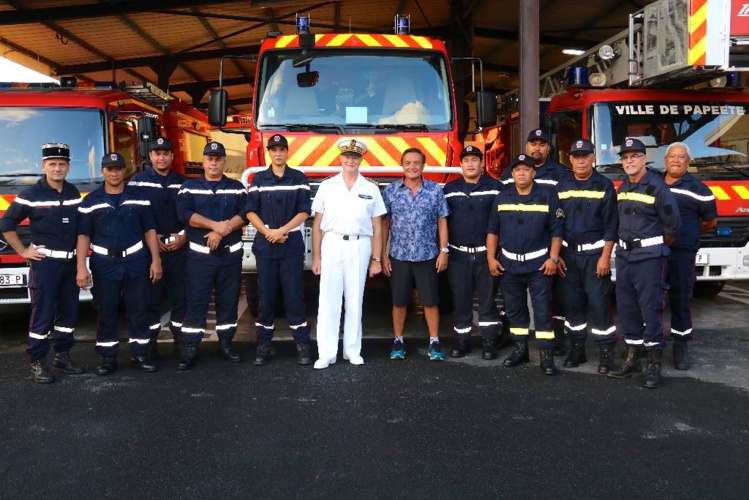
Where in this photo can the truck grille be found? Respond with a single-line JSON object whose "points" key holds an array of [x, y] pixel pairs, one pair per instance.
{"points": [[738, 237], [23, 234]]}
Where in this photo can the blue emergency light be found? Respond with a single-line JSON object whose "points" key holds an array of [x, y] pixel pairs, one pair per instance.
{"points": [[302, 24], [403, 24], [578, 77], [723, 231]]}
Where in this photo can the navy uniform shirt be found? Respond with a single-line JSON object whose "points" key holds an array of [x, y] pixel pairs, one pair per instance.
{"points": [[216, 200], [548, 174], [470, 208], [161, 191], [526, 224], [696, 203], [117, 222], [53, 215], [647, 209], [277, 200], [590, 210]]}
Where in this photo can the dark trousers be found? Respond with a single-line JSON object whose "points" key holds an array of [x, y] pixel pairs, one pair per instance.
{"points": [[469, 274], [557, 306], [174, 281], [107, 295], [680, 279], [640, 298], [284, 275], [584, 293], [515, 288], [202, 278], [54, 306]]}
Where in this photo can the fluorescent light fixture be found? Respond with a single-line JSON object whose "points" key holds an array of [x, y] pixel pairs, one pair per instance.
{"points": [[573, 52]]}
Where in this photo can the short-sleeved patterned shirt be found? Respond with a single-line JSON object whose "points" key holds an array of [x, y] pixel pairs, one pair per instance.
{"points": [[413, 219]]}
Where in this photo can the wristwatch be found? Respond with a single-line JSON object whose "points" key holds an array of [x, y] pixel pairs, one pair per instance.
{"points": [[445, 249], [555, 261], [376, 259]]}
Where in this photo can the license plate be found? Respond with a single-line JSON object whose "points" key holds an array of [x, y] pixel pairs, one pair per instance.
{"points": [[12, 280], [702, 258]]}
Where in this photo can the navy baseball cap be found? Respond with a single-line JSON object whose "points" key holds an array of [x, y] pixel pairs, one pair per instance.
{"points": [[55, 150], [582, 147], [214, 149], [277, 140], [632, 145], [538, 135], [471, 150], [112, 160], [523, 160], [161, 143]]}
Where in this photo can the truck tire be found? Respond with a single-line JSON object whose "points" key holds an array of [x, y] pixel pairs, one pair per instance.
{"points": [[708, 289], [252, 294]]}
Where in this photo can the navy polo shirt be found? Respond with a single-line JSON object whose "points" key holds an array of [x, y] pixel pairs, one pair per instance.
{"points": [[277, 200], [696, 203], [646, 209], [590, 210], [526, 224], [116, 222], [216, 200], [470, 208], [53, 215], [548, 174], [161, 191]]}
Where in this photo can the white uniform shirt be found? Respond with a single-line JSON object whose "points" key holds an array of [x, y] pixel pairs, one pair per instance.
{"points": [[348, 212]]}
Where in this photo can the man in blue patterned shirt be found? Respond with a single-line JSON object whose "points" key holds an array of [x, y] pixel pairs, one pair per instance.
{"points": [[416, 218]]}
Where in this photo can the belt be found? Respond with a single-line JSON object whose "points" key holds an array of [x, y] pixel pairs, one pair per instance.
{"points": [[55, 254], [348, 237], [298, 228], [522, 257], [635, 244], [117, 252], [586, 246], [219, 251], [461, 248]]}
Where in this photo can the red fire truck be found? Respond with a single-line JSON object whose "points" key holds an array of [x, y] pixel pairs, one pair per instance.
{"points": [[93, 119]]}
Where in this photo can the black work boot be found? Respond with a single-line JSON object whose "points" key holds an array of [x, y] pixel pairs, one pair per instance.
{"points": [[40, 373], [228, 352], [65, 364], [547, 362], [519, 355], [189, 355], [143, 362], [107, 366], [681, 356], [262, 355], [576, 356], [462, 345], [489, 352], [653, 372], [560, 337], [631, 363], [605, 360], [304, 354]]}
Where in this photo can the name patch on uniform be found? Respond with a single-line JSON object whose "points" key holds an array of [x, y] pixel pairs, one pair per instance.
{"points": [[365, 197], [559, 214]]}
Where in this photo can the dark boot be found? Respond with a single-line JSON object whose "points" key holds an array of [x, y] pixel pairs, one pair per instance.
{"points": [[560, 337], [519, 355], [143, 362], [65, 364], [153, 348], [40, 373], [262, 355], [107, 366], [547, 362], [631, 363], [304, 354], [681, 356], [228, 352], [576, 356], [605, 360], [462, 345], [653, 373], [489, 352], [189, 355]]}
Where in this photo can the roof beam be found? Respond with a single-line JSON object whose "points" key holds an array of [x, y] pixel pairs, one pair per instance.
{"points": [[558, 41]]}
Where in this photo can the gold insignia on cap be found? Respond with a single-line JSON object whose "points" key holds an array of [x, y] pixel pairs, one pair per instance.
{"points": [[352, 146]]}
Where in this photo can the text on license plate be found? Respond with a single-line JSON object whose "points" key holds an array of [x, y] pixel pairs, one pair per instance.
{"points": [[12, 279], [702, 258]]}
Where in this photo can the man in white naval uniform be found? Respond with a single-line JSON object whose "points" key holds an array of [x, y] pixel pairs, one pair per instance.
{"points": [[346, 241]]}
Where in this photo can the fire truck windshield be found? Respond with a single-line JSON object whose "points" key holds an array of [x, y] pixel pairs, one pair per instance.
{"points": [[23, 130], [350, 87], [717, 133]]}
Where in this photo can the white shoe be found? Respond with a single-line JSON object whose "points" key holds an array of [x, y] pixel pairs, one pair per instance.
{"points": [[321, 364], [356, 360]]}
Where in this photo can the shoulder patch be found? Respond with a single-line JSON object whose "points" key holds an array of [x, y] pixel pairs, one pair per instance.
{"points": [[559, 214]]}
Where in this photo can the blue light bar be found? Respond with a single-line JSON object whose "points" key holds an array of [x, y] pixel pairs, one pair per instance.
{"points": [[302, 24], [403, 24], [578, 77], [723, 231]]}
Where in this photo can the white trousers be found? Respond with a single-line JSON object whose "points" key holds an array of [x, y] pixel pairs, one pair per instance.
{"points": [[344, 266]]}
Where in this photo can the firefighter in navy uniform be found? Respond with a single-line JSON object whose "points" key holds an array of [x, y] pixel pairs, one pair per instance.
{"points": [[589, 202], [548, 173], [278, 204], [470, 199], [648, 221], [160, 185], [698, 214], [213, 208], [114, 220], [51, 205], [526, 226]]}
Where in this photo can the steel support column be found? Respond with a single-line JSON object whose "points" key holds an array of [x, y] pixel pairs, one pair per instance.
{"points": [[529, 64]]}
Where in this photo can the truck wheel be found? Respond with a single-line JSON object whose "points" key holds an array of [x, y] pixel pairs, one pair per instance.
{"points": [[253, 297], [445, 294], [708, 289], [311, 293]]}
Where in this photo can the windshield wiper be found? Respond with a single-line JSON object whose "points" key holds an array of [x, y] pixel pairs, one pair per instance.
{"points": [[420, 127], [294, 127]]}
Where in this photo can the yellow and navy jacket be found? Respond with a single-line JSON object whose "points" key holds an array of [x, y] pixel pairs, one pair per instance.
{"points": [[550, 174], [696, 203], [470, 208], [161, 191]]}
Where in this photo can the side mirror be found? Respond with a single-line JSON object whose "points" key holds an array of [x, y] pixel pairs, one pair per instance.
{"points": [[147, 132], [486, 108], [218, 103], [307, 79]]}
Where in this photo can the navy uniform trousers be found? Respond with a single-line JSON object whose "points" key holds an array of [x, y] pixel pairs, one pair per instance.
{"points": [[54, 306], [107, 295], [469, 272], [174, 280], [680, 276], [287, 274], [516, 288], [640, 299]]}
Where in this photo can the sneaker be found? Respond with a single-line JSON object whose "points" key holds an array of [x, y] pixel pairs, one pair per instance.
{"points": [[398, 351], [435, 352]]}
